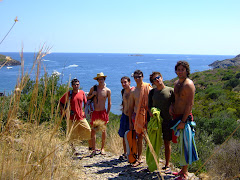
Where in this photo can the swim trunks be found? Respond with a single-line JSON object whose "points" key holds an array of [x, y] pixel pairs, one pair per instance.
{"points": [[167, 132], [124, 125], [99, 115], [176, 118]]}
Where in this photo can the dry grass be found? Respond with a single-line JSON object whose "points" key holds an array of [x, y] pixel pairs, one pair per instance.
{"points": [[114, 141], [33, 152], [29, 150], [226, 162]]}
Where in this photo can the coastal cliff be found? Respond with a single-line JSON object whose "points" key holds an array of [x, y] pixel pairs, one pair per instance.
{"points": [[226, 63], [11, 62]]}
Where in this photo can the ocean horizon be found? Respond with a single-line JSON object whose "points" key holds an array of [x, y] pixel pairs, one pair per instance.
{"points": [[85, 67]]}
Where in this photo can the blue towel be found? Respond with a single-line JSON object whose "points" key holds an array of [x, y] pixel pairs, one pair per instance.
{"points": [[187, 146]]}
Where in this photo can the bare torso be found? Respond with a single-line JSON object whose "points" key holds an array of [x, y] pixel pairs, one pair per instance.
{"points": [[101, 97], [126, 96], [135, 97], [184, 96]]}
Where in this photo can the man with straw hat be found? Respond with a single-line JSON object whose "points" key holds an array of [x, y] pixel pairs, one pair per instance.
{"points": [[100, 115], [72, 102]]}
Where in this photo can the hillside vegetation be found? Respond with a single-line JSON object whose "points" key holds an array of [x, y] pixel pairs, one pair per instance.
{"points": [[217, 101], [33, 109]]}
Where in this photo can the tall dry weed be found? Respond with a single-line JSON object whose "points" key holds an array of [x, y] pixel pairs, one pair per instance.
{"points": [[225, 164], [29, 150], [114, 141]]}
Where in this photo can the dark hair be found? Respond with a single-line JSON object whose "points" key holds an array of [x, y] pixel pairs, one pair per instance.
{"points": [[153, 74], [184, 64], [139, 72], [126, 77], [74, 80], [101, 77]]}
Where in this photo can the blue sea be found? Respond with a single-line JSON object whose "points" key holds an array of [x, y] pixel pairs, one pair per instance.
{"points": [[85, 67]]}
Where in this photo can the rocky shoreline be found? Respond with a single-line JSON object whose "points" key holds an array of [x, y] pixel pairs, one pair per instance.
{"points": [[11, 62], [108, 166], [226, 63]]}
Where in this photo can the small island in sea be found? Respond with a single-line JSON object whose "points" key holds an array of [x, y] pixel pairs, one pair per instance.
{"points": [[135, 55], [10, 61]]}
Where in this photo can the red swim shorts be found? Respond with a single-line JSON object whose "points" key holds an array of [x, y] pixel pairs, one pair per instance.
{"points": [[99, 115]]}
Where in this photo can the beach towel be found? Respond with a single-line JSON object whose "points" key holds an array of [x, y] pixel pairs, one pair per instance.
{"points": [[187, 146], [141, 115], [154, 130], [131, 146]]}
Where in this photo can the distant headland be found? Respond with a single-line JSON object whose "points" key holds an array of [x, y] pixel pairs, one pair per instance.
{"points": [[226, 63], [10, 61]]}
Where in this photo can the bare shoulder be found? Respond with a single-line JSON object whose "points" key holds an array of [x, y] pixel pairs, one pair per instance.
{"points": [[175, 82], [189, 84], [106, 89]]}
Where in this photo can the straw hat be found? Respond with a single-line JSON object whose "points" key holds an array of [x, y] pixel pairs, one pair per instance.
{"points": [[99, 75]]}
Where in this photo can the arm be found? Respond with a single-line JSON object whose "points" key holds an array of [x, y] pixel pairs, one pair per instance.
{"points": [[171, 107], [150, 102], [109, 101], [131, 110], [189, 93], [91, 94]]}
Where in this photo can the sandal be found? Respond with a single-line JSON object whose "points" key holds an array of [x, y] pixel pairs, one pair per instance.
{"points": [[123, 157], [93, 154], [182, 177], [177, 173], [168, 170], [102, 152], [137, 163]]}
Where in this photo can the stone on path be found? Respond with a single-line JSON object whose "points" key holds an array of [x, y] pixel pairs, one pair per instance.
{"points": [[108, 166]]}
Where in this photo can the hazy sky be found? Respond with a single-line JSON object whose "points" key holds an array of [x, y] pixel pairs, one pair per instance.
{"points": [[122, 26]]}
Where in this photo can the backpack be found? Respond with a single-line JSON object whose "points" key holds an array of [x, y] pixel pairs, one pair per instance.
{"points": [[131, 145], [89, 107]]}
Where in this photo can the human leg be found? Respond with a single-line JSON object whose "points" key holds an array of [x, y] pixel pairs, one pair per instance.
{"points": [[139, 146], [104, 135], [167, 146], [139, 150]]}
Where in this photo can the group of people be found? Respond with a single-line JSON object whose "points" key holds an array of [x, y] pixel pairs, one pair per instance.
{"points": [[175, 104]]}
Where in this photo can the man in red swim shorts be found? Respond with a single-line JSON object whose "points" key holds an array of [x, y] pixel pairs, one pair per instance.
{"points": [[100, 114]]}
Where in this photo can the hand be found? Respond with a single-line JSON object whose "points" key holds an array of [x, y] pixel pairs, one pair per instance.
{"points": [[150, 114], [181, 125]]}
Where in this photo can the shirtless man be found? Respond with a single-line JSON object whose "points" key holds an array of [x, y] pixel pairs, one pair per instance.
{"points": [[138, 112], [124, 121], [184, 91], [100, 113]]}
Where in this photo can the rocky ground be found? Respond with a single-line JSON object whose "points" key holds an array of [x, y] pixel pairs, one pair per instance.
{"points": [[110, 167]]}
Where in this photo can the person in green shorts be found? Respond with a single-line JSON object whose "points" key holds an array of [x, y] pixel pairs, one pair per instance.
{"points": [[162, 97]]}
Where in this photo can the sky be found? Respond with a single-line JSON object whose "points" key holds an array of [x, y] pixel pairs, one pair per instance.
{"points": [[122, 26]]}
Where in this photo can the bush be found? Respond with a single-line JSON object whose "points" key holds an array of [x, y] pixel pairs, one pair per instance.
{"points": [[225, 164]]}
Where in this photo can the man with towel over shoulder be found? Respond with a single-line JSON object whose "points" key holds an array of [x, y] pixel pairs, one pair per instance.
{"points": [[138, 107]]}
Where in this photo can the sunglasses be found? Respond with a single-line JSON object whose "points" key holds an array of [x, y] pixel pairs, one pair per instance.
{"points": [[158, 77], [76, 84], [137, 77]]}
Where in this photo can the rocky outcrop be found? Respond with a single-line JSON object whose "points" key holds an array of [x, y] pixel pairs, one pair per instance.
{"points": [[10, 61], [226, 63]]}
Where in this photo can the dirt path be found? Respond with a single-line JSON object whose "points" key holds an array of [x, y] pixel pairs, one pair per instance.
{"points": [[109, 167]]}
